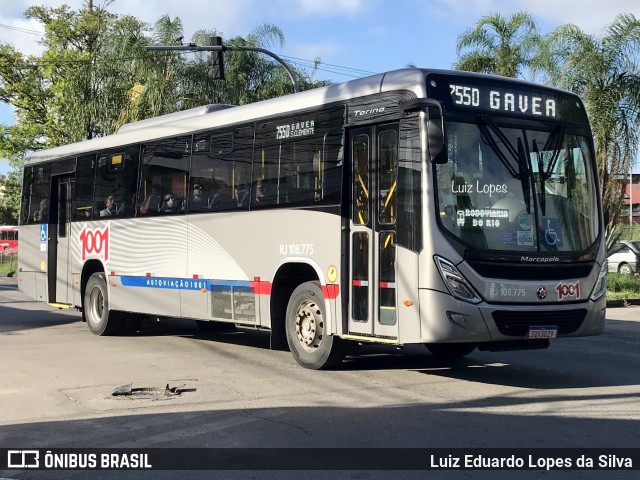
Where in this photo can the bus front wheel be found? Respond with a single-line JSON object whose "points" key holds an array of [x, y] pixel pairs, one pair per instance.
{"points": [[95, 306], [306, 330], [450, 350]]}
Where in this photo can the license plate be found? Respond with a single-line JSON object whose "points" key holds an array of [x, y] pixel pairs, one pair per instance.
{"points": [[543, 332]]}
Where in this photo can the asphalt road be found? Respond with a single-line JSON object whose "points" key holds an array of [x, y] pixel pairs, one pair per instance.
{"points": [[57, 381]]}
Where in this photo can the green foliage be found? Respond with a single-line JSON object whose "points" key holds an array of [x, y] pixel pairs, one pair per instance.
{"points": [[10, 204], [621, 287], [498, 45], [8, 264]]}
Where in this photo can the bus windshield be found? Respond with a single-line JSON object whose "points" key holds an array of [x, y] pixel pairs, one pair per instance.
{"points": [[517, 189]]}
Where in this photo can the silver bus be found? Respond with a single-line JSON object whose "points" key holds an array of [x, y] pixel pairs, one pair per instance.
{"points": [[450, 209]]}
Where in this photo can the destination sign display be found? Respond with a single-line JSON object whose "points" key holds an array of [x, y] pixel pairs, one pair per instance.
{"points": [[504, 97]]}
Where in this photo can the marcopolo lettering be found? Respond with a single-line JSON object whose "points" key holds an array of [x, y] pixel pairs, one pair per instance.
{"points": [[539, 259]]}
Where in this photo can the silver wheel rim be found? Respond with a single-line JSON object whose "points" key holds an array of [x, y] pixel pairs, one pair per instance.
{"points": [[625, 270], [96, 302], [309, 325]]}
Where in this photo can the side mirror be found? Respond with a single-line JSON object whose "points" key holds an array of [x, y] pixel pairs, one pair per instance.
{"points": [[436, 135]]}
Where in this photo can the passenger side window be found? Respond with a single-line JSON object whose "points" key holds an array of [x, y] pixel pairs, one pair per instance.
{"points": [[116, 183], [221, 170], [298, 161], [35, 201], [163, 182]]}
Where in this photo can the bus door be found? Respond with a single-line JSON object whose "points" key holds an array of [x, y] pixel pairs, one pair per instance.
{"points": [[372, 235], [59, 260]]}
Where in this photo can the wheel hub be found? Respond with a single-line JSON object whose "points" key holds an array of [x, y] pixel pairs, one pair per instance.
{"points": [[309, 325]]}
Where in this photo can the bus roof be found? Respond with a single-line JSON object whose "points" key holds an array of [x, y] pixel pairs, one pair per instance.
{"points": [[210, 116]]}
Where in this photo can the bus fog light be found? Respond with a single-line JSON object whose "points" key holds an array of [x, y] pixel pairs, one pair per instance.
{"points": [[457, 319]]}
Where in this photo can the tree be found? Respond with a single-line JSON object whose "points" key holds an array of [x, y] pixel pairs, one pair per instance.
{"points": [[606, 74], [95, 75], [498, 45], [10, 204]]}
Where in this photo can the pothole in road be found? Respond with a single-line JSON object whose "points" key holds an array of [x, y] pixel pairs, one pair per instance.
{"points": [[151, 393]]}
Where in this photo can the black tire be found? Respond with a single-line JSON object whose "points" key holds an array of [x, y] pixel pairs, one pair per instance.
{"points": [[450, 350], [95, 305], [207, 326], [305, 327]]}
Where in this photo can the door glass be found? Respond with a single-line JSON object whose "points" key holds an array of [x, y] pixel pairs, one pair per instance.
{"points": [[387, 280], [388, 177], [360, 149], [360, 268], [63, 209]]}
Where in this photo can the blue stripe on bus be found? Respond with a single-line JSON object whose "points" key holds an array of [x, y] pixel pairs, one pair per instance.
{"points": [[183, 283]]}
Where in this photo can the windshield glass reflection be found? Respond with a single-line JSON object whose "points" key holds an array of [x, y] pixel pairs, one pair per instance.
{"points": [[516, 189]]}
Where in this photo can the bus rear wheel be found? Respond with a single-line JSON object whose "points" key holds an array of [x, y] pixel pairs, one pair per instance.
{"points": [[95, 306], [450, 350], [305, 324]]}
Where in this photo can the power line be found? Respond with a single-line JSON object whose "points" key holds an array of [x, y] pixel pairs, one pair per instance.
{"points": [[313, 62], [300, 62], [23, 30]]}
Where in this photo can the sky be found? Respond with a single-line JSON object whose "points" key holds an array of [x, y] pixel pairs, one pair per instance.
{"points": [[352, 38]]}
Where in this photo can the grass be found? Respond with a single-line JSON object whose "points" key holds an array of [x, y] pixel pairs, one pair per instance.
{"points": [[622, 287], [8, 264]]}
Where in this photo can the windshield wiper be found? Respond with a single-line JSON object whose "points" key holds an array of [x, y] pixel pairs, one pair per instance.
{"points": [[553, 143], [523, 173]]}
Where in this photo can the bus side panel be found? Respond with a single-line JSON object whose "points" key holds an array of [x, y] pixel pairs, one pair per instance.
{"points": [[144, 259], [408, 302], [32, 262], [228, 295], [239, 254]]}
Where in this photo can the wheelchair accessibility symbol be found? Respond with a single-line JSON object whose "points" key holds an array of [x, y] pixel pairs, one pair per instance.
{"points": [[44, 237], [552, 236]]}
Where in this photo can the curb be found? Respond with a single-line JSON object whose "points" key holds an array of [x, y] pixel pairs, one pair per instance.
{"points": [[622, 303]]}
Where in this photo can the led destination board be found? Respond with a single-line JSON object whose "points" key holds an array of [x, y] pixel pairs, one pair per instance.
{"points": [[502, 97]]}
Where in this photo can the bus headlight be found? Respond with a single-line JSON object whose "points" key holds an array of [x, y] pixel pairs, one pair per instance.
{"points": [[458, 286], [601, 284]]}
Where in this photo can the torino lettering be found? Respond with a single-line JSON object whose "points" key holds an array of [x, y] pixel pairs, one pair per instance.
{"points": [[95, 242]]}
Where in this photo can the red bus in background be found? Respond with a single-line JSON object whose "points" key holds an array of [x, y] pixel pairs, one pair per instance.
{"points": [[8, 239]]}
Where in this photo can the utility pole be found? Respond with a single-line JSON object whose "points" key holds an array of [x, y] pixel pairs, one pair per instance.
{"points": [[631, 200], [217, 48]]}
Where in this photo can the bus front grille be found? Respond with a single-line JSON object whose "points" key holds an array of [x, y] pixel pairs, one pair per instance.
{"points": [[517, 323], [517, 271]]}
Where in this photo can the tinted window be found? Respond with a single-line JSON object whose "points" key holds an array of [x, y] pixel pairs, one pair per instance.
{"points": [[298, 160], [83, 201], [116, 182], [36, 191], [221, 170], [163, 186], [409, 186]]}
